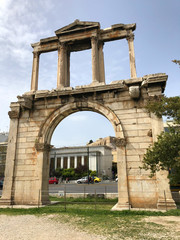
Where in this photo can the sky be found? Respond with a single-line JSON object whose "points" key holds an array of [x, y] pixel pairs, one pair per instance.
{"points": [[22, 22]]}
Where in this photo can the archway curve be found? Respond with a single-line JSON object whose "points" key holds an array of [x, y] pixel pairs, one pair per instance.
{"points": [[50, 124]]}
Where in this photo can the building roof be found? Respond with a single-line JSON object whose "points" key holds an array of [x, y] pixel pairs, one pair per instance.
{"points": [[4, 137], [107, 141]]}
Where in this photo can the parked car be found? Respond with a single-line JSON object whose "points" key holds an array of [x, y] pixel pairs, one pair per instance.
{"points": [[1, 184], [53, 180], [97, 179], [82, 180], [116, 179]]}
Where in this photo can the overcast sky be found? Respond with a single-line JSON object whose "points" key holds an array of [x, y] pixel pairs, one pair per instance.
{"points": [[22, 22]]}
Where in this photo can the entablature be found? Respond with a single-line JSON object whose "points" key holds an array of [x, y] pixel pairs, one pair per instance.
{"points": [[133, 86], [80, 33]]}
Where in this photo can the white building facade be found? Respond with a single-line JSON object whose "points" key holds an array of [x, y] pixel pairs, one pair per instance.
{"points": [[96, 158]]}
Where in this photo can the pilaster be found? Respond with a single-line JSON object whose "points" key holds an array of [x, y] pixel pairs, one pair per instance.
{"points": [[43, 150], [123, 193], [165, 200], [8, 190]]}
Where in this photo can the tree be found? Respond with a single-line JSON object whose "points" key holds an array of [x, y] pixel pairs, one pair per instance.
{"points": [[165, 153]]}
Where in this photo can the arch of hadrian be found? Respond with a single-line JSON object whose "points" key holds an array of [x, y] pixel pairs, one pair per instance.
{"points": [[34, 117]]}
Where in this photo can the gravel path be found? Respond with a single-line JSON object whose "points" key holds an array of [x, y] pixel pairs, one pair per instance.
{"points": [[29, 227]]}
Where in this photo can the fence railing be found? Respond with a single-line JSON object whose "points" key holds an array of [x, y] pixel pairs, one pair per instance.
{"points": [[62, 199]]}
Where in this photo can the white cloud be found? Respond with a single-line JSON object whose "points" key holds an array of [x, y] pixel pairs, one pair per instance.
{"points": [[77, 118], [20, 25]]}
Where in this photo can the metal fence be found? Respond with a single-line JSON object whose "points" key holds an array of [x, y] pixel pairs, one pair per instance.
{"points": [[62, 199]]}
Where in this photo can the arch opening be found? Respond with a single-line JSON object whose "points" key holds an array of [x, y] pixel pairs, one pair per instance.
{"points": [[80, 127], [61, 113], [75, 136]]}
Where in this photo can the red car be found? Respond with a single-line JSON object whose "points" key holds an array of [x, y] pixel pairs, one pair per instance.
{"points": [[53, 180]]}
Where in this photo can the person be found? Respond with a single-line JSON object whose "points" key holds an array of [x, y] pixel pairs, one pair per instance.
{"points": [[93, 179], [60, 180]]}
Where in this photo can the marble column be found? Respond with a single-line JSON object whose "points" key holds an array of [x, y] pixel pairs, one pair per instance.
{"points": [[82, 161], [62, 65], [75, 161], [101, 63], [130, 39], [68, 162], [62, 160], [55, 163], [35, 71], [68, 69], [95, 60]]}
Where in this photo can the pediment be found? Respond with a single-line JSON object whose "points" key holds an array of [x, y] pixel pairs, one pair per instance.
{"points": [[77, 26]]}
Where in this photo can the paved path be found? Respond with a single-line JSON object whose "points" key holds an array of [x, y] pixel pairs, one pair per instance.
{"points": [[30, 227]]}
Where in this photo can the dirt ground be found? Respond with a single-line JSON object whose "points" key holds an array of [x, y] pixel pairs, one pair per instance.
{"points": [[30, 227], [172, 222]]}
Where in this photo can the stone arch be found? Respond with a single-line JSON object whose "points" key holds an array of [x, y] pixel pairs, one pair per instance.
{"points": [[51, 122]]}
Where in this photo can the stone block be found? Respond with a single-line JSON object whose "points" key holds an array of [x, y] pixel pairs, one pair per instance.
{"points": [[144, 145], [137, 126], [30, 150], [130, 121], [132, 115], [126, 111], [30, 161], [115, 105], [143, 133], [143, 120], [131, 133], [20, 151], [29, 133], [22, 130], [142, 139], [133, 158], [21, 140], [31, 139], [134, 152], [25, 145], [128, 104], [132, 146], [134, 165], [20, 173]]}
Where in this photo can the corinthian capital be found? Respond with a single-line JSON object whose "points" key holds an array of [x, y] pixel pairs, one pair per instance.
{"points": [[130, 37], [120, 142], [36, 54], [43, 147], [13, 114]]}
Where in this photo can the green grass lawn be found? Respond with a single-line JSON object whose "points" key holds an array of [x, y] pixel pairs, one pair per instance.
{"points": [[97, 218]]}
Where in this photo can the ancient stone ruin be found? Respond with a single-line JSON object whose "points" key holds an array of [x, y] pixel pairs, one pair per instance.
{"points": [[34, 117]]}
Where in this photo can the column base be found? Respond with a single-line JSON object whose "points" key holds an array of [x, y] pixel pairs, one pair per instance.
{"points": [[5, 202], [120, 207], [166, 205], [97, 83]]}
